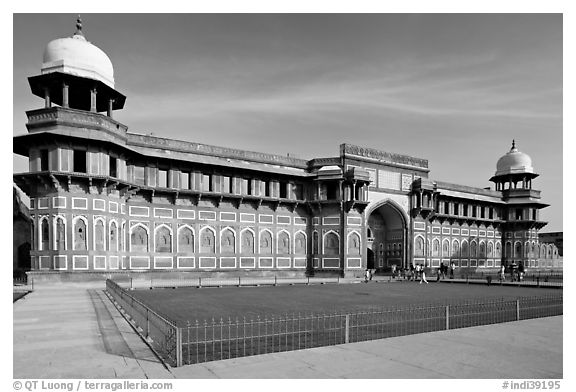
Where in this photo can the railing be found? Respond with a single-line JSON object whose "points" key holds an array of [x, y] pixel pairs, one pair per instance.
{"points": [[210, 340], [226, 338], [162, 334], [231, 281], [529, 279], [22, 285]]}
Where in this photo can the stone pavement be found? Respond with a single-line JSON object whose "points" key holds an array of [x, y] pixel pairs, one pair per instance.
{"points": [[73, 331]]}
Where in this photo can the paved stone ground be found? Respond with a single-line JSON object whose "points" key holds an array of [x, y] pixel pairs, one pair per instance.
{"points": [[74, 331]]}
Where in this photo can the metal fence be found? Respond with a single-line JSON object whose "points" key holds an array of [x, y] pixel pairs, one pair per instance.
{"points": [[228, 281], [162, 334], [22, 285], [211, 340]]}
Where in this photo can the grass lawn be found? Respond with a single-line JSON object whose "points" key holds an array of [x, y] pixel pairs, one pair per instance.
{"points": [[192, 304]]}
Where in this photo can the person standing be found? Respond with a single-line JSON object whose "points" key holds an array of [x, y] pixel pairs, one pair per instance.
{"points": [[422, 275], [502, 273], [452, 267]]}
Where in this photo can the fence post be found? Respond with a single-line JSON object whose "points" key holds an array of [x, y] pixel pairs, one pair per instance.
{"points": [[517, 310], [239, 282], [447, 317], [275, 280], [147, 323], [199, 281], [131, 285], [178, 346]]}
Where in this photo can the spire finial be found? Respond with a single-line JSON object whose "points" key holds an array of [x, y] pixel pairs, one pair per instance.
{"points": [[513, 143], [79, 26]]}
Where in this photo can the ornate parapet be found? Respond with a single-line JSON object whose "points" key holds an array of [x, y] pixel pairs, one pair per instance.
{"points": [[205, 149], [41, 119], [383, 157]]}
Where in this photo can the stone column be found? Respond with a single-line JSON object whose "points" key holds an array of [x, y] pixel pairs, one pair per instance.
{"points": [[110, 106], [47, 101], [65, 95], [93, 94]]}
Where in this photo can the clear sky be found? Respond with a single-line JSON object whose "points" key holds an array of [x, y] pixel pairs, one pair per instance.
{"points": [[451, 88]]}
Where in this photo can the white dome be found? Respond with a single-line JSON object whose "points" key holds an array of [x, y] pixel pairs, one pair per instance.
{"points": [[76, 56], [514, 162]]}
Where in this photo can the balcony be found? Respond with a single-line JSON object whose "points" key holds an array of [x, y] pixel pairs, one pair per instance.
{"points": [[40, 119], [514, 193]]}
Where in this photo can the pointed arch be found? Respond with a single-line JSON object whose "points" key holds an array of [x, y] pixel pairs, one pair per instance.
{"points": [[331, 243], [80, 235], [59, 231], [300, 243], [354, 243], [227, 240], [139, 234], [163, 238], [517, 249], [283, 242], [419, 246], [445, 247], [207, 237], [482, 249], [455, 248], [99, 233], [265, 242], [113, 236], [44, 226], [185, 242], [464, 249], [247, 241], [435, 247]]}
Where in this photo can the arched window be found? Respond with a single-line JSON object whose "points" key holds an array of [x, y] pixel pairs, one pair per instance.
{"points": [[542, 251], [227, 241], [533, 250], [99, 240], [482, 249], [455, 249], [163, 239], [283, 243], [508, 252], [354, 244], [300, 243], [80, 235], [473, 249], [207, 241], [139, 239], [419, 246], [121, 234], [265, 242], [45, 234], [446, 248], [436, 247], [185, 240], [517, 250], [315, 243], [60, 240], [498, 249], [490, 249], [247, 242], [113, 245], [331, 243], [549, 252], [464, 249]]}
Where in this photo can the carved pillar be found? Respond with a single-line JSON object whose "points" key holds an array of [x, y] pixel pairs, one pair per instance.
{"points": [[47, 101], [65, 96], [93, 94], [110, 106]]}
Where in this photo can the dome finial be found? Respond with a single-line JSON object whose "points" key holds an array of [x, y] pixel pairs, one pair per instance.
{"points": [[513, 149], [79, 26]]}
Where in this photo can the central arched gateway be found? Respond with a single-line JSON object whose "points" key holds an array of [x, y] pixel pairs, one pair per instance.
{"points": [[387, 235]]}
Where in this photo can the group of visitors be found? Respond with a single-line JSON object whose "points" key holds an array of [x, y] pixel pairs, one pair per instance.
{"points": [[517, 272], [442, 271], [415, 273]]}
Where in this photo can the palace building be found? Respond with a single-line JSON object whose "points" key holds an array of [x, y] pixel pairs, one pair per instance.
{"points": [[104, 200]]}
